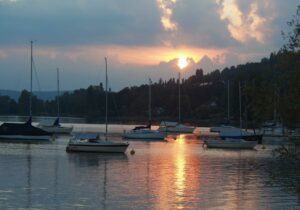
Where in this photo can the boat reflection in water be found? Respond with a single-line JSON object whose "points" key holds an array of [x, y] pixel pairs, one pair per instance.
{"points": [[99, 178], [176, 174], [94, 159]]}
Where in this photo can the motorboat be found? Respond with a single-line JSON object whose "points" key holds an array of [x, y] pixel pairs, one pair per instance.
{"points": [[230, 143], [175, 127], [87, 142]]}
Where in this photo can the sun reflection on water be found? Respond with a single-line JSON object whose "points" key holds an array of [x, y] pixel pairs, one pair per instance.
{"points": [[180, 170]]}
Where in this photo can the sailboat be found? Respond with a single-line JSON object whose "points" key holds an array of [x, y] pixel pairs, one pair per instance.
{"points": [[145, 132], [56, 127], [230, 132], [24, 131], [92, 142], [176, 127]]}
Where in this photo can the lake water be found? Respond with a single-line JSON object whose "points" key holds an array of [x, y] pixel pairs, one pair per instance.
{"points": [[174, 174]]}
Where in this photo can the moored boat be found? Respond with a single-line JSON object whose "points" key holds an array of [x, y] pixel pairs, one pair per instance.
{"points": [[92, 143], [23, 131], [230, 144], [237, 133], [175, 127], [144, 133], [56, 127]]}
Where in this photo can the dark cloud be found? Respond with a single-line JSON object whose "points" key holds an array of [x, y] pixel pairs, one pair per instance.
{"points": [[200, 26], [130, 22]]}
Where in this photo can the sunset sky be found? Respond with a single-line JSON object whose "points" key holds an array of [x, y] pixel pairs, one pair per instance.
{"points": [[140, 38]]}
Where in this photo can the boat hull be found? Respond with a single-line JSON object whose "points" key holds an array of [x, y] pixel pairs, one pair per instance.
{"points": [[254, 138], [144, 135], [57, 129], [23, 132], [177, 129], [180, 130], [25, 137], [105, 148], [231, 144], [174, 127]]}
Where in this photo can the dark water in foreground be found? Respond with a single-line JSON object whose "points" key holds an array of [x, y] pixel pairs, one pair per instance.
{"points": [[173, 174]]}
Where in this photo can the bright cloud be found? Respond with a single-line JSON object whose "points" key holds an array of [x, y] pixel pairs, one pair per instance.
{"points": [[243, 26], [165, 7]]}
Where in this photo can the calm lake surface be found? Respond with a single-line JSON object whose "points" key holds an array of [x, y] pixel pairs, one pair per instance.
{"points": [[174, 174]]}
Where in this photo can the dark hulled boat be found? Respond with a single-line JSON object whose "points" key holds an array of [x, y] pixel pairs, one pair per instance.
{"points": [[23, 131]]}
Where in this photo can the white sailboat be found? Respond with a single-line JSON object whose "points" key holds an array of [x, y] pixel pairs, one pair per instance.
{"points": [[56, 127], [92, 142], [145, 132], [25, 132], [176, 127]]}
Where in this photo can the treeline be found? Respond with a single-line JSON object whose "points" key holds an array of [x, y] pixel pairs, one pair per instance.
{"points": [[270, 88]]}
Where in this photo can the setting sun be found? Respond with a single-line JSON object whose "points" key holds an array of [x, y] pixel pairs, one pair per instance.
{"points": [[182, 62]]}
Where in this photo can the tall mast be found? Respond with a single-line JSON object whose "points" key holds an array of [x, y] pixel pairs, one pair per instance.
{"points": [[240, 102], [179, 100], [106, 99], [31, 64], [275, 104], [57, 92], [228, 102], [150, 82]]}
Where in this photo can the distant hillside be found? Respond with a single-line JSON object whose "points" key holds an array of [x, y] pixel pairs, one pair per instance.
{"points": [[44, 95], [11, 93]]}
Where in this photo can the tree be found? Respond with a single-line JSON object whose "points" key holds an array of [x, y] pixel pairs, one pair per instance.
{"points": [[293, 36]]}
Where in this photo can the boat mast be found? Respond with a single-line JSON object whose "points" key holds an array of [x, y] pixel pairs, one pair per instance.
{"points": [[57, 92], [150, 82], [106, 101], [31, 64], [240, 102], [179, 105], [228, 102]]}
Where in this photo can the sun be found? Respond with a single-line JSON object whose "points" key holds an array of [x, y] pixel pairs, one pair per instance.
{"points": [[182, 62]]}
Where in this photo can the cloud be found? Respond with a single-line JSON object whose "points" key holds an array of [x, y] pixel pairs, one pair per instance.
{"points": [[166, 7], [56, 22], [140, 38], [2, 54], [243, 26]]}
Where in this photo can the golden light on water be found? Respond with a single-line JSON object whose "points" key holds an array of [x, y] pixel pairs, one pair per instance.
{"points": [[182, 62], [180, 171]]}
